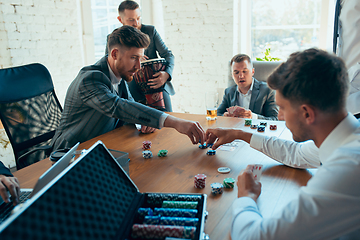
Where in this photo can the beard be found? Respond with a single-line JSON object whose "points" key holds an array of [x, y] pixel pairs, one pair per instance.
{"points": [[127, 78]]}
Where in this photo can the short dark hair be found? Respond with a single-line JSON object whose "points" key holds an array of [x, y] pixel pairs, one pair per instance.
{"points": [[312, 77], [240, 58], [128, 36], [129, 5]]}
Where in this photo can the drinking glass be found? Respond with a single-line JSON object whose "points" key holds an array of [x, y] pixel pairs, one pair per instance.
{"points": [[211, 102]]}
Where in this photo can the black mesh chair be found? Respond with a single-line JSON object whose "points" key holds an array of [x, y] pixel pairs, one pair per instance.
{"points": [[29, 111]]}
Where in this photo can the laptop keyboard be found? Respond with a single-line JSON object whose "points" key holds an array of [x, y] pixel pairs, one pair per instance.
{"points": [[6, 208]]}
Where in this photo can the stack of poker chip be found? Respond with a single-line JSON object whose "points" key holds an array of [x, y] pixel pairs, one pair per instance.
{"points": [[248, 122], [176, 212], [229, 182], [273, 127], [261, 128], [179, 204], [211, 152], [178, 221], [162, 153], [145, 212], [217, 188], [146, 145], [253, 126], [199, 180], [263, 124], [158, 198], [146, 231], [147, 154], [152, 219]]}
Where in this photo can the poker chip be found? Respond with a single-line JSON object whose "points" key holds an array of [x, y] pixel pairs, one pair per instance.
{"points": [[199, 180], [263, 124], [261, 128], [203, 146], [248, 122], [223, 170], [146, 144], [273, 127], [210, 145], [211, 152], [229, 182], [253, 126], [162, 153], [147, 154], [217, 188]]}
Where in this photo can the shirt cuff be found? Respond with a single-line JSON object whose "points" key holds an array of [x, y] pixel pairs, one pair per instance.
{"points": [[254, 116], [162, 120], [256, 141]]}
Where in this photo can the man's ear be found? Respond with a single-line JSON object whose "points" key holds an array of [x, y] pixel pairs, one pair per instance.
{"points": [[114, 53], [119, 18], [252, 72], [308, 113]]}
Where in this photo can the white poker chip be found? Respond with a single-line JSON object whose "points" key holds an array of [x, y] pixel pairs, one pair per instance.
{"points": [[224, 170]]}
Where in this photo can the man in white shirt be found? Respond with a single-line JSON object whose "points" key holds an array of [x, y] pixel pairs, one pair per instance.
{"points": [[311, 90], [253, 97]]}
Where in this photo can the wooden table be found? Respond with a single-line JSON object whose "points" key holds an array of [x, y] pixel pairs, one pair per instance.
{"points": [[175, 173]]}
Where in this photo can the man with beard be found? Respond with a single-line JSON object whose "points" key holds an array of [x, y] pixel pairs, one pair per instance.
{"points": [[311, 89], [98, 100]]}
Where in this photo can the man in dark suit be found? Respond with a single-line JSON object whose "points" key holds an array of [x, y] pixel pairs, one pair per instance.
{"points": [[130, 15], [8, 183], [256, 100], [98, 99]]}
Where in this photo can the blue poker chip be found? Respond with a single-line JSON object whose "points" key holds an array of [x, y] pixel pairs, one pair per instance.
{"points": [[211, 152], [210, 145], [147, 154], [202, 146]]}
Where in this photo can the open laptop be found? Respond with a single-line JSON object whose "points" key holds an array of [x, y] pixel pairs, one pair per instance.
{"points": [[50, 174]]}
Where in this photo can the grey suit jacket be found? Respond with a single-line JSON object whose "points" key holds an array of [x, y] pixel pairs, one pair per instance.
{"points": [[93, 107], [4, 171], [262, 101]]}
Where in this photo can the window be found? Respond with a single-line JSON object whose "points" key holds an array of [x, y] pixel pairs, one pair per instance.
{"points": [[286, 26], [104, 15]]}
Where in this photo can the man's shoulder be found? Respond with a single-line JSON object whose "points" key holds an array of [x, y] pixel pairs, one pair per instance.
{"points": [[231, 89], [148, 29]]}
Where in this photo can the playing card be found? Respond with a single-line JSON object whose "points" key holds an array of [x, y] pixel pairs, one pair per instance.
{"points": [[257, 170]]}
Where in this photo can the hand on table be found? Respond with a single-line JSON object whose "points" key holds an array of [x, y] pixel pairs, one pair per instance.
{"points": [[247, 186], [159, 79], [146, 129], [12, 185]]}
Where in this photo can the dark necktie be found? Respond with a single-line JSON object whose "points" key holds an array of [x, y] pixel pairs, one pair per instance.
{"points": [[122, 90]]}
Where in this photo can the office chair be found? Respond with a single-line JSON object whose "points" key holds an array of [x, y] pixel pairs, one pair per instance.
{"points": [[29, 111]]}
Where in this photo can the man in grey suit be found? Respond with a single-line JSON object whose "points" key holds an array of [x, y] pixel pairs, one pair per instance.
{"points": [[98, 98], [254, 97], [130, 15]]}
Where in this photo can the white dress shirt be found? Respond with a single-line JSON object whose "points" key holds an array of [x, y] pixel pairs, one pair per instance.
{"points": [[243, 100], [115, 82], [328, 207]]}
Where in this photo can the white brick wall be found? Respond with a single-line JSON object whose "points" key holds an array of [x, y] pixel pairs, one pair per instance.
{"points": [[200, 35], [41, 31]]}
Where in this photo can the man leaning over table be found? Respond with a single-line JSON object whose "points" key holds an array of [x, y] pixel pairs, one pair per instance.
{"points": [[311, 90], [98, 100], [8, 184], [254, 97], [130, 14]]}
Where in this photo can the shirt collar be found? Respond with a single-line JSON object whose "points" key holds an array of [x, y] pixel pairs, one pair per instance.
{"points": [[113, 78], [338, 136], [250, 89]]}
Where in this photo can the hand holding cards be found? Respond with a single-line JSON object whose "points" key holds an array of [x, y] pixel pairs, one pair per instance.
{"points": [[257, 171], [237, 111]]}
